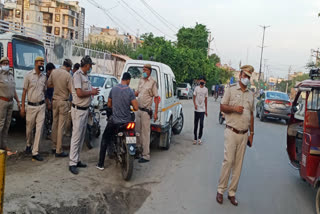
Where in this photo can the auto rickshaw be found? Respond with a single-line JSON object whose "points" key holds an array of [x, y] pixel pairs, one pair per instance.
{"points": [[303, 133]]}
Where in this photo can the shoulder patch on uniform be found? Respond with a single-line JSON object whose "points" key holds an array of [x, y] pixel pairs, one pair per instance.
{"points": [[233, 84]]}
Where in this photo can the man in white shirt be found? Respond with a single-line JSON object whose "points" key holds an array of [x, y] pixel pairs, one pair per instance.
{"points": [[200, 97]]}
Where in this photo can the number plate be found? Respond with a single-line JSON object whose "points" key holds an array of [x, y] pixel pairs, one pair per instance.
{"points": [[131, 140]]}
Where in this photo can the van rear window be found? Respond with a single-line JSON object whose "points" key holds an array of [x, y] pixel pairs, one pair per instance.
{"points": [[136, 72], [24, 54]]}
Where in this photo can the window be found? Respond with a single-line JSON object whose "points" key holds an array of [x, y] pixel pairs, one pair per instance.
{"points": [[24, 54], [57, 18], [182, 85], [114, 82], [277, 95], [57, 31], [167, 86], [174, 88], [314, 100], [108, 84], [301, 106], [18, 13], [97, 81], [136, 73]]}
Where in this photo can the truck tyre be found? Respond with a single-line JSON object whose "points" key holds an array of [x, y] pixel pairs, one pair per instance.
{"points": [[168, 136], [179, 125]]}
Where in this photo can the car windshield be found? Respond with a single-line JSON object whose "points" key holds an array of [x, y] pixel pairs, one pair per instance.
{"points": [[25, 53], [97, 81], [182, 85], [277, 96], [136, 72]]}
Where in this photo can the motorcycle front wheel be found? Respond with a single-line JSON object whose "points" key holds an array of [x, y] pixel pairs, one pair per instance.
{"points": [[127, 161]]}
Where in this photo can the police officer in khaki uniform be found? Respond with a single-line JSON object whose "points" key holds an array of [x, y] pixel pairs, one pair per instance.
{"points": [[147, 90], [60, 80], [81, 99], [238, 106], [34, 87], [7, 93]]}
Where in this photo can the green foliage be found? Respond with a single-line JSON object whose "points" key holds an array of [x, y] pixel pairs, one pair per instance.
{"points": [[117, 46]]}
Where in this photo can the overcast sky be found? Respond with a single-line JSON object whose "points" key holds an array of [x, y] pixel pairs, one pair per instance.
{"points": [[294, 31]]}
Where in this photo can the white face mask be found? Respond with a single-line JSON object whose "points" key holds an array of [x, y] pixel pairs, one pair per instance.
{"points": [[245, 81], [5, 67]]}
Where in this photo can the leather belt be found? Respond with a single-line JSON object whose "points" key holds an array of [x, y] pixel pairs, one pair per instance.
{"points": [[61, 100], [79, 107], [144, 109], [36, 104], [237, 131], [6, 99]]}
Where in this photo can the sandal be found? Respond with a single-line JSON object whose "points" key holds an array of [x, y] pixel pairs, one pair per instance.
{"points": [[200, 142], [9, 152], [195, 142]]}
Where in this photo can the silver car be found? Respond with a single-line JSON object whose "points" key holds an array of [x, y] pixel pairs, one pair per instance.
{"points": [[273, 104], [185, 90]]}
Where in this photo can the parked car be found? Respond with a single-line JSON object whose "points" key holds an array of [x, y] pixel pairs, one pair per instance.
{"points": [[170, 115], [273, 104], [185, 90], [104, 83]]}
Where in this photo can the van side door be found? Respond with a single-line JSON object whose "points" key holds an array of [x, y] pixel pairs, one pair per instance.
{"points": [[169, 96]]}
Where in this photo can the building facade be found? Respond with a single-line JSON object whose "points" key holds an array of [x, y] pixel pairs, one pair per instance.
{"points": [[65, 19]]}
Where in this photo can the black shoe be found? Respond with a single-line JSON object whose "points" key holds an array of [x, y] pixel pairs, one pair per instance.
{"points": [[53, 151], [62, 155], [28, 150], [37, 158], [73, 170], [81, 165], [142, 160]]}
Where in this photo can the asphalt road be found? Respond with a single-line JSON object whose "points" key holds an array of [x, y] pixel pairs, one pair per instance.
{"points": [[181, 180], [268, 184]]}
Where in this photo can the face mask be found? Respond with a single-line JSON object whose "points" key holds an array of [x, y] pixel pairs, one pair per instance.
{"points": [[89, 71], [201, 83], [245, 81], [41, 68], [144, 75], [5, 67]]}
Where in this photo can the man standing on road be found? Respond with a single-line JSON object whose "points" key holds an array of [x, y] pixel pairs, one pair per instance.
{"points": [[81, 99], [238, 106], [7, 93], [34, 86], [60, 80], [200, 98], [147, 90], [121, 114]]}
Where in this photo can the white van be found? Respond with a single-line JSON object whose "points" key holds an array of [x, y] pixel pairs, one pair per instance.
{"points": [[104, 83], [170, 115], [21, 51]]}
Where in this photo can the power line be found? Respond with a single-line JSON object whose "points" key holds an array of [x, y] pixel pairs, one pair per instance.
{"points": [[145, 19], [161, 18], [105, 11]]}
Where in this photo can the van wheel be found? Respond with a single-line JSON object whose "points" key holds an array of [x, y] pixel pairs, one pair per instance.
{"points": [[318, 201], [178, 127], [168, 136]]}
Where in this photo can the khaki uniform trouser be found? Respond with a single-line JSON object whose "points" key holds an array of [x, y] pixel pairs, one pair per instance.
{"points": [[5, 120], [143, 127], [234, 150], [79, 121], [35, 118], [60, 116]]}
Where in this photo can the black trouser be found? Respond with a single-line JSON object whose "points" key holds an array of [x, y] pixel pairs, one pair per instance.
{"points": [[106, 142], [198, 116]]}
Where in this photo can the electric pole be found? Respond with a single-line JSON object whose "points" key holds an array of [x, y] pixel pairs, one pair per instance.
{"points": [[289, 71], [317, 56], [264, 30], [209, 43]]}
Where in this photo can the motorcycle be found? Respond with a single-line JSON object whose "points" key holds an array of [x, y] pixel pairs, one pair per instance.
{"points": [[93, 127], [123, 145]]}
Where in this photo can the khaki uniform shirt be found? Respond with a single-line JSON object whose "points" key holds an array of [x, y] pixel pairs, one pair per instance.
{"points": [[80, 80], [7, 84], [235, 97], [61, 81], [36, 85], [147, 90]]}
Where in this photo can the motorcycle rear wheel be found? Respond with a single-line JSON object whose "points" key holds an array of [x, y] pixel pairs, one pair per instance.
{"points": [[127, 162]]}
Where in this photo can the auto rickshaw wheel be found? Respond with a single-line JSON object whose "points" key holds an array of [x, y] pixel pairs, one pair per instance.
{"points": [[318, 201]]}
